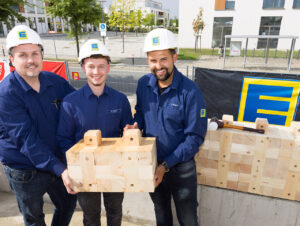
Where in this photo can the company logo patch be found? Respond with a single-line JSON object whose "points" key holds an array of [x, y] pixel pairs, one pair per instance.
{"points": [[22, 35], [155, 41], [203, 113], [95, 47], [274, 99]]}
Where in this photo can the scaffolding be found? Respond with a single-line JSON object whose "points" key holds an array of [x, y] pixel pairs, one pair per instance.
{"points": [[247, 37]]}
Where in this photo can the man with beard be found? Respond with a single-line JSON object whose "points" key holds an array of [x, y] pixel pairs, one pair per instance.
{"points": [[95, 106], [29, 107], [171, 108]]}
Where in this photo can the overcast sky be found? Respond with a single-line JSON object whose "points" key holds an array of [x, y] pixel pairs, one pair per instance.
{"points": [[172, 5]]}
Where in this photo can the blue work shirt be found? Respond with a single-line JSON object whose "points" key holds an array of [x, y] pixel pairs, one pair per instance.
{"points": [[82, 111], [177, 117], [28, 122]]}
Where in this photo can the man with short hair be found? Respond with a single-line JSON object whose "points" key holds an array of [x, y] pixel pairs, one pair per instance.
{"points": [[29, 107], [95, 106], [171, 108]]}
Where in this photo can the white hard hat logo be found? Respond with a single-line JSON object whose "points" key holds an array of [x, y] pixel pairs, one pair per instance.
{"points": [[155, 41], [95, 47], [22, 35]]}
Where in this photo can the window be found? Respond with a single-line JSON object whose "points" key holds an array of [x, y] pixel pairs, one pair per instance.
{"points": [[296, 4], [224, 4], [30, 7], [269, 26], [271, 4], [222, 27], [229, 4], [39, 7]]}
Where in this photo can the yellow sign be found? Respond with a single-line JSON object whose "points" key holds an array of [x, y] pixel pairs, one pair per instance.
{"points": [[274, 99]]}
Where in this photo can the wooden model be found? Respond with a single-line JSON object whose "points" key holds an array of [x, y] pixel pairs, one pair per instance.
{"points": [[124, 164], [266, 164]]}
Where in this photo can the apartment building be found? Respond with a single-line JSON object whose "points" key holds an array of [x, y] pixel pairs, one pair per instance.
{"points": [[240, 17], [161, 15], [38, 20]]}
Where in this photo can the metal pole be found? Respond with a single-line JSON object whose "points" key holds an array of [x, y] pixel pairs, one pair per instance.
{"points": [[224, 53], [67, 70], [245, 53], [267, 54], [55, 48], [102, 22], [187, 71], [291, 54]]}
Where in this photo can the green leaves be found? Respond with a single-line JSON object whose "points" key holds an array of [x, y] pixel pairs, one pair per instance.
{"points": [[9, 10]]}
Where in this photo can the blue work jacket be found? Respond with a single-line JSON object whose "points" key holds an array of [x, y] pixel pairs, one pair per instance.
{"points": [[177, 117], [28, 122], [82, 111]]}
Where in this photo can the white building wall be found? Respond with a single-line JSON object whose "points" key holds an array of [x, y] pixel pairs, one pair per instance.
{"points": [[246, 21]]}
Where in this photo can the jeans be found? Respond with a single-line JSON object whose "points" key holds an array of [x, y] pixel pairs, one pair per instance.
{"points": [[30, 186], [180, 183], [90, 203]]}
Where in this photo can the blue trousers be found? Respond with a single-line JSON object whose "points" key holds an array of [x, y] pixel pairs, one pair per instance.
{"points": [[30, 186], [90, 203], [181, 184]]}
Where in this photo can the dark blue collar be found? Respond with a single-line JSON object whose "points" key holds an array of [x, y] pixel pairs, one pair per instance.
{"points": [[175, 82], [88, 92], [44, 82]]}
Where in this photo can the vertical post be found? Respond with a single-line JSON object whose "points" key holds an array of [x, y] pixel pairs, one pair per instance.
{"points": [[267, 54], [291, 54], [224, 54], [102, 10], [55, 48], [245, 53], [67, 70], [193, 74], [3, 51], [187, 71]]}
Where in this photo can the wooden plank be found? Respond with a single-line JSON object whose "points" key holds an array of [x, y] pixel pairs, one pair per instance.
{"points": [[258, 164], [290, 188], [225, 146], [221, 180], [88, 169]]}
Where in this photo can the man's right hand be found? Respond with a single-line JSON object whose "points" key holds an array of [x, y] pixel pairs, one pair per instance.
{"points": [[68, 182]]}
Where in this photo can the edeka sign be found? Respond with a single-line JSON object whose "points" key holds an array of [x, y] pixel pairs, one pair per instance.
{"points": [[247, 95], [274, 99]]}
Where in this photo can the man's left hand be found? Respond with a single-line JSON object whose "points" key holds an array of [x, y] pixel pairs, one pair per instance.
{"points": [[159, 174]]}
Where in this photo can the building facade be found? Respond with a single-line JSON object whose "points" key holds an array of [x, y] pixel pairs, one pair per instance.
{"points": [[161, 15], [240, 17], [38, 20]]}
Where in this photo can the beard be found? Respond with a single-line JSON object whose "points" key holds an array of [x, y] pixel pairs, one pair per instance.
{"points": [[164, 77], [32, 73]]}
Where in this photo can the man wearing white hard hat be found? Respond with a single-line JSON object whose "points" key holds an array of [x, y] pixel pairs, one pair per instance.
{"points": [[95, 106], [29, 108], [171, 108]]}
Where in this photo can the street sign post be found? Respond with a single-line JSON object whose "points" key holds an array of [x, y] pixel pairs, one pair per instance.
{"points": [[103, 29]]}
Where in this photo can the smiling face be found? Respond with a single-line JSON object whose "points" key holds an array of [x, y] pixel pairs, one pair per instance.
{"points": [[161, 64], [27, 60], [96, 70]]}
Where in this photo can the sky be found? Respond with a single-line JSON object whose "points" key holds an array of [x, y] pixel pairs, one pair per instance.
{"points": [[172, 5]]}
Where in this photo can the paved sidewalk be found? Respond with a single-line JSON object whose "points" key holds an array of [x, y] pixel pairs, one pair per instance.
{"points": [[10, 215]]}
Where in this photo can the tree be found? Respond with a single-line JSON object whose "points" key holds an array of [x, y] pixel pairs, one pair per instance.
{"points": [[136, 20], [120, 16], [174, 24], [198, 26], [149, 20], [76, 12], [9, 11]]}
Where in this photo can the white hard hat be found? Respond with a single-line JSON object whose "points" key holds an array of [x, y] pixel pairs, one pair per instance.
{"points": [[92, 47], [21, 34], [160, 39]]}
